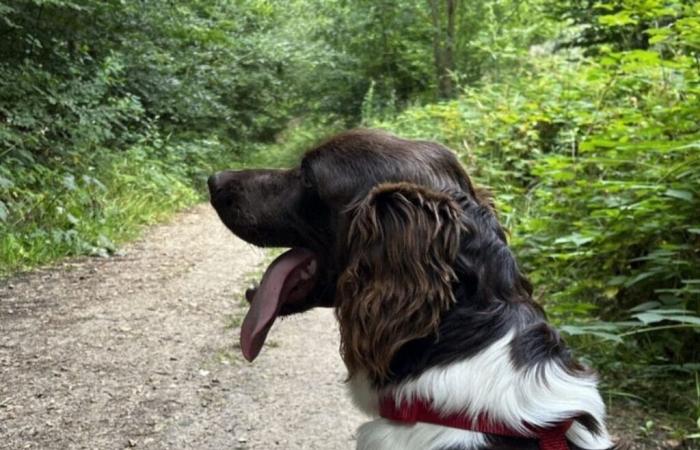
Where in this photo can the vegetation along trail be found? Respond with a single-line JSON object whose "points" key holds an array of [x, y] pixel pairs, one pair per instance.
{"points": [[138, 351]]}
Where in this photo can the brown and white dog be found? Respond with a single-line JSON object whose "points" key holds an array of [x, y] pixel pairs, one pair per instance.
{"points": [[442, 340]]}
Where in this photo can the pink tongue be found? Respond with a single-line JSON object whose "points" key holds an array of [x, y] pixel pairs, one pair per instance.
{"points": [[279, 280]]}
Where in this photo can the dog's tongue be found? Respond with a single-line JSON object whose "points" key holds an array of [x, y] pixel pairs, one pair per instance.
{"points": [[276, 288]]}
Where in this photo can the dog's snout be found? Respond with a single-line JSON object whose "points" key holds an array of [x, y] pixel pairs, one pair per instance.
{"points": [[219, 182], [213, 183], [219, 193], [222, 188]]}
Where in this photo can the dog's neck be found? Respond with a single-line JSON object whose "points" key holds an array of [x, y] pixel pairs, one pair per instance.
{"points": [[490, 383], [468, 329]]}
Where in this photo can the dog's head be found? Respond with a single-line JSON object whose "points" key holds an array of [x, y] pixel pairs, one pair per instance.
{"points": [[375, 224]]}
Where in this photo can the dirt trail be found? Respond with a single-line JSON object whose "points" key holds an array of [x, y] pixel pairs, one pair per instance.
{"points": [[138, 351]]}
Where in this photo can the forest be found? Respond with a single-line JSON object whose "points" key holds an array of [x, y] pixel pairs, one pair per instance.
{"points": [[582, 118]]}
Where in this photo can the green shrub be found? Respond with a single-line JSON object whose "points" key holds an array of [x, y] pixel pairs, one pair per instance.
{"points": [[50, 212], [111, 113], [596, 168], [290, 145]]}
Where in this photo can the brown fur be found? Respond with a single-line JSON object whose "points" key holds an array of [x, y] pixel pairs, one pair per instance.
{"points": [[409, 252], [401, 244]]}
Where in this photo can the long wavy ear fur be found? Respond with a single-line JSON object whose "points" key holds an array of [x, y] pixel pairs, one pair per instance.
{"points": [[402, 242]]}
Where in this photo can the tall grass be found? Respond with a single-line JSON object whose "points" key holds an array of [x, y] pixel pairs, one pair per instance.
{"points": [[88, 208]]}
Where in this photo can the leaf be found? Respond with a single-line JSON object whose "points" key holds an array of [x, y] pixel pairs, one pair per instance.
{"points": [[593, 143], [659, 35], [617, 280], [616, 20], [611, 292], [5, 183], [4, 212], [645, 306], [68, 182], [673, 315], [574, 330], [683, 195], [106, 243], [649, 317], [668, 311], [575, 238], [642, 276], [695, 320]]}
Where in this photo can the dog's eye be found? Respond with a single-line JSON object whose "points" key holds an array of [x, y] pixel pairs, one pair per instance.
{"points": [[305, 181], [307, 177]]}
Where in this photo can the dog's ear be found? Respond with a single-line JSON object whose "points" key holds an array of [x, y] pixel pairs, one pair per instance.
{"points": [[402, 242]]}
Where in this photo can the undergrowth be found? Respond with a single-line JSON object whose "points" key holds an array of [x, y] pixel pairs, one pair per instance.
{"points": [[88, 207], [596, 171]]}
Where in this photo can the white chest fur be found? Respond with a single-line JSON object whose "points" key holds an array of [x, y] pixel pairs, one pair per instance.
{"points": [[487, 383]]}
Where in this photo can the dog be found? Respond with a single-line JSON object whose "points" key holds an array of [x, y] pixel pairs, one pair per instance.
{"points": [[442, 340]]}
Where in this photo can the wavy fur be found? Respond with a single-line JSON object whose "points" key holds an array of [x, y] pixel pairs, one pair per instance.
{"points": [[398, 232]]}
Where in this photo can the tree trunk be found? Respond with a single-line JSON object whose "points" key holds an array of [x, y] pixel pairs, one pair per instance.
{"points": [[449, 90], [443, 20]]}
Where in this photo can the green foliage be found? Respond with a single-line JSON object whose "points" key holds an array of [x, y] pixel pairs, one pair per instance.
{"points": [[88, 208], [290, 145], [380, 55], [623, 24], [111, 111], [596, 165]]}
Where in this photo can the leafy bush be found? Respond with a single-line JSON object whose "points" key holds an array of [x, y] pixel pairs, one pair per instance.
{"points": [[111, 111], [49, 212], [596, 166]]}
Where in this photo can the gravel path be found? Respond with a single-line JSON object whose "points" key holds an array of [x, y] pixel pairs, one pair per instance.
{"points": [[139, 351]]}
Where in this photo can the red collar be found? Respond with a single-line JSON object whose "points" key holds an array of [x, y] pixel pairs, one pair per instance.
{"points": [[552, 438]]}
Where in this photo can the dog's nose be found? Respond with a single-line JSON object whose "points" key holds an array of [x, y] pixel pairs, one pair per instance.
{"points": [[213, 183], [220, 191]]}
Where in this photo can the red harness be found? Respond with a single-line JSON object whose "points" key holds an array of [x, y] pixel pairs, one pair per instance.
{"points": [[552, 438]]}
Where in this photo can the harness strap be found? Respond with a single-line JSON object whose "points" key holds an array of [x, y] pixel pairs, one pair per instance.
{"points": [[550, 438]]}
